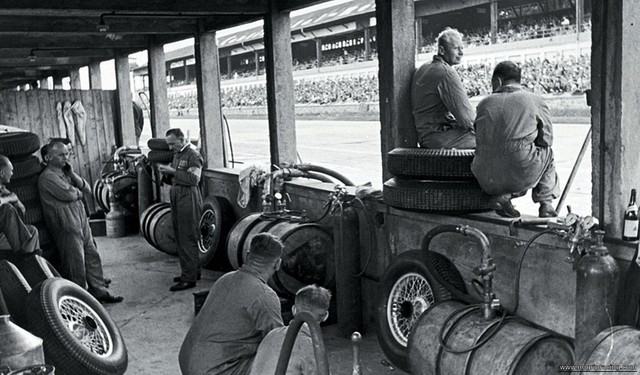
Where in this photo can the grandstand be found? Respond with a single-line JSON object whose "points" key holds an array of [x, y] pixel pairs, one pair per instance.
{"points": [[334, 51]]}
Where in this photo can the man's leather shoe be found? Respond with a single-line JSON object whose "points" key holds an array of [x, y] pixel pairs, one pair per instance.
{"points": [[108, 298], [182, 286], [547, 210], [503, 207], [178, 279]]}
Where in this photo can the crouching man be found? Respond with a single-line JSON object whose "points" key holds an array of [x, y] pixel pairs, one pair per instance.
{"points": [[310, 299], [514, 135]]}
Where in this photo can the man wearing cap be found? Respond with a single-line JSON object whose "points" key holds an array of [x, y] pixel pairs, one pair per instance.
{"points": [[238, 313]]}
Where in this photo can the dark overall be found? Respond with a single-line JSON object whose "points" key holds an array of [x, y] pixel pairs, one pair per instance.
{"points": [[186, 207]]}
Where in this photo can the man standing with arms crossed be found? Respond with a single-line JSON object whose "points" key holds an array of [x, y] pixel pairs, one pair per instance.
{"points": [[442, 113], [186, 206]]}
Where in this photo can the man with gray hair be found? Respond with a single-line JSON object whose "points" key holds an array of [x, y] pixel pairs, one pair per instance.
{"points": [[237, 314], [311, 299], [442, 113], [14, 233]]}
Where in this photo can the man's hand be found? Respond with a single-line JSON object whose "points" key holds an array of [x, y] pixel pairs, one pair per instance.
{"points": [[166, 169]]}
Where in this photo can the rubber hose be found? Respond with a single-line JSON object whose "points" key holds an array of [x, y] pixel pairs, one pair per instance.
{"points": [[319, 351], [329, 172], [318, 176], [426, 241]]}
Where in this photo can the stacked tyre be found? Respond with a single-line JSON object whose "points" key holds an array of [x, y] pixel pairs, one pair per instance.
{"points": [[156, 225], [437, 180], [159, 151], [79, 336]]}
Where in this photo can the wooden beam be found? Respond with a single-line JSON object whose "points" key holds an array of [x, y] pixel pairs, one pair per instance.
{"points": [[64, 26], [158, 91], [396, 59], [280, 87], [74, 79], [209, 100], [95, 77], [43, 40], [83, 7], [429, 7], [105, 54], [125, 104]]}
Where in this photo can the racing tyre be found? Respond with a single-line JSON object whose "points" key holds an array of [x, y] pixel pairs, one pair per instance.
{"points": [[430, 195], [80, 338], [18, 144], [157, 144], [26, 167], [431, 164], [36, 269], [15, 290], [408, 290], [215, 222], [26, 189], [156, 156]]}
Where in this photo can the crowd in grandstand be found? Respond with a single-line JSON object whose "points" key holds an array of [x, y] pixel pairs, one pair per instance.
{"points": [[542, 76]]}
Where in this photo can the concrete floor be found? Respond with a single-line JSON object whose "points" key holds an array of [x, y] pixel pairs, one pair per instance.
{"points": [[154, 321]]}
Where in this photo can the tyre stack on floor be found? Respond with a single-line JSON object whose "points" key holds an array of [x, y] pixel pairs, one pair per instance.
{"points": [[437, 180], [79, 336]]}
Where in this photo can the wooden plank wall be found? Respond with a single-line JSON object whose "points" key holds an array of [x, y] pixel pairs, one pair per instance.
{"points": [[35, 110]]}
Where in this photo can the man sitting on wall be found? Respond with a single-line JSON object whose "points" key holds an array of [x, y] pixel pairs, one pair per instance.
{"points": [[514, 135], [14, 233], [61, 194], [442, 113], [238, 313], [313, 300]]}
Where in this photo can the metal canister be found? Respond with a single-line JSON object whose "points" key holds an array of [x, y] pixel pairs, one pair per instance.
{"points": [[596, 292], [116, 220], [18, 348]]}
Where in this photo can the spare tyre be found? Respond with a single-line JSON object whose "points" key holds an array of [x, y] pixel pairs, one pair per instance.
{"points": [[408, 289], [27, 167], [80, 338], [18, 144], [431, 195], [15, 289], [159, 144], [215, 222], [431, 164], [26, 189]]}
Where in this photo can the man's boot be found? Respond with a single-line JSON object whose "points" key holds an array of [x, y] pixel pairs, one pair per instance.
{"points": [[547, 210], [503, 207]]}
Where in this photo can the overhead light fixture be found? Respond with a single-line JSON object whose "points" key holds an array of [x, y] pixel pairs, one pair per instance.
{"points": [[102, 26], [32, 57]]}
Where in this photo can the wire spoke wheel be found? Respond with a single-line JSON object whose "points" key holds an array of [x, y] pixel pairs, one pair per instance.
{"points": [[85, 325], [410, 296], [207, 231]]}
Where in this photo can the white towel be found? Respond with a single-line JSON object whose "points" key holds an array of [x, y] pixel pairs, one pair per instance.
{"points": [[61, 127], [68, 121], [80, 119]]}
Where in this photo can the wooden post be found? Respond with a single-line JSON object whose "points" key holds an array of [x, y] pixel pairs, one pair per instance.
{"points": [[57, 82], [367, 43], [95, 78], [256, 57], [493, 10], [280, 88], [614, 112], [319, 52], [125, 103], [579, 16], [74, 79], [186, 71], [209, 100], [159, 103], [418, 34], [44, 83], [396, 59], [229, 65]]}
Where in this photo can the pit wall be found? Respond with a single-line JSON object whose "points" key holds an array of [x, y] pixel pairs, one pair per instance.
{"points": [[564, 109], [547, 281]]}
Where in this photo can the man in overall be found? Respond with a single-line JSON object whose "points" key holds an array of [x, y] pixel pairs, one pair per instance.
{"points": [[61, 193], [514, 135], [186, 206], [238, 313], [14, 233], [442, 113]]}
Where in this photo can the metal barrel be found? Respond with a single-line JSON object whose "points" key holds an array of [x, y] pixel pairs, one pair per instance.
{"points": [[611, 350], [101, 192], [516, 348], [144, 219], [145, 187], [308, 256]]}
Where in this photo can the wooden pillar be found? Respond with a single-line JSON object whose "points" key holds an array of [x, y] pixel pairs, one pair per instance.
{"points": [[229, 66], [419, 38], [319, 52], [615, 76], [125, 103], [367, 43], [280, 88], [44, 83], [74, 79], [493, 10], [256, 57], [396, 59], [158, 100], [186, 71], [209, 100], [579, 15], [95, 77], [57, 82]]}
